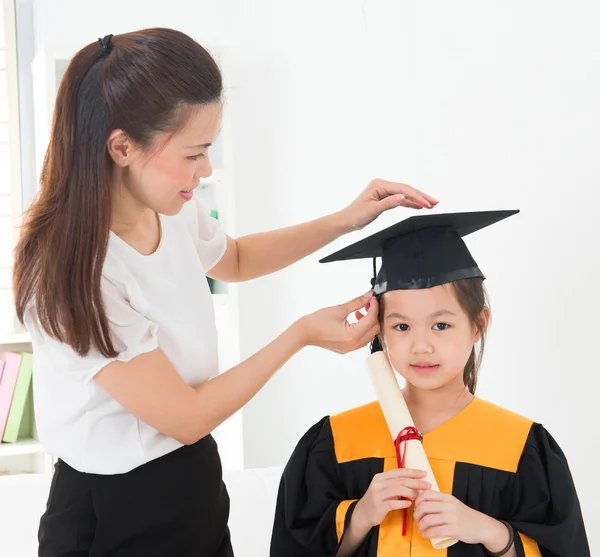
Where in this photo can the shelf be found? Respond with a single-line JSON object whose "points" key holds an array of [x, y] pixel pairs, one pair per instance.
{"points": [[21, 341], [24, 479], [14, 339], [20, 448], [220, 298], [215, 178]]}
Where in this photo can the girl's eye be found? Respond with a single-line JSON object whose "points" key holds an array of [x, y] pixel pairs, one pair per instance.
{"points": [[441, 326], [402, 327], [195, 157]]}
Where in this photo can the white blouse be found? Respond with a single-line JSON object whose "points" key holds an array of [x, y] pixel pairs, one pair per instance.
{"points": [[162, 299]]}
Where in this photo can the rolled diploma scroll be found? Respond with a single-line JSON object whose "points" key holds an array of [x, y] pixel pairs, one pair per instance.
{"points": [[398, 417]]}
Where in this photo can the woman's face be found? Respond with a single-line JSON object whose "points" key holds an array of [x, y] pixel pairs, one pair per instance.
{"points": [[163, 178]]}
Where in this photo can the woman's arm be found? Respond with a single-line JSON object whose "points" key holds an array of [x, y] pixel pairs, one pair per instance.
{"points": [[257, 255], [150, 388]]}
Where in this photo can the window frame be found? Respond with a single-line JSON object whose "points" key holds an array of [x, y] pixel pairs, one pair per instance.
{"points": [[15, 189]]}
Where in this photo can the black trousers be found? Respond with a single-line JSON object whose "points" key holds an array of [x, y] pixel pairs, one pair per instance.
{"points": [[174, 506]]}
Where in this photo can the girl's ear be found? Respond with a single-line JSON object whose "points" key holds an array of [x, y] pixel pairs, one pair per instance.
{"points": [[485, 318], [383, 342]]}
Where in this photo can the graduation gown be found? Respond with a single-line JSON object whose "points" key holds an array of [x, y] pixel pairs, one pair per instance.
{"points": [[494, 461]]}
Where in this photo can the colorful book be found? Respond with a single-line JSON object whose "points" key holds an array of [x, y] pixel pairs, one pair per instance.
{"points": [[21, 402], [10, 375]]}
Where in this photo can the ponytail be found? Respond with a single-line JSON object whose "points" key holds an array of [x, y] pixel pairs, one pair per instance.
{"points": [[63, 243]]}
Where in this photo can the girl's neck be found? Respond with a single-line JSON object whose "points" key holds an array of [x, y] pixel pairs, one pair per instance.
{"points": [[431, 408]]}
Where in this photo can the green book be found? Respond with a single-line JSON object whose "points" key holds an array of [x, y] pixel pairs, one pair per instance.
{"points": [[212, 283], [20, 408]]}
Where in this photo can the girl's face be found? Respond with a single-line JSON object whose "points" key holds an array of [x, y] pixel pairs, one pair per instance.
{"points": [[163, 178], [429, 337]]}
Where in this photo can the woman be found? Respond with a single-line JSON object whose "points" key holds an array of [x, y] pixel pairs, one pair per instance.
{"points": [[110, 281]]}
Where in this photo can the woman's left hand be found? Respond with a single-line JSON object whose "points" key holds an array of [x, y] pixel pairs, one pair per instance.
{"points": [[381, 195], [440, 515]]}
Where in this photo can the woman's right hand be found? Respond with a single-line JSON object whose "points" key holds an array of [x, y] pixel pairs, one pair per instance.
{"points": [[329, 327], [384, 495]]}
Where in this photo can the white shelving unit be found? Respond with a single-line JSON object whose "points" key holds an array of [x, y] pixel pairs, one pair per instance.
{"points": [[28, 457], [18, 340], [21, 448]]}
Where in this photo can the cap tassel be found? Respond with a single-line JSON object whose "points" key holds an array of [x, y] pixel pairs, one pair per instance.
{"points": [[374, 279], [376, 345]]}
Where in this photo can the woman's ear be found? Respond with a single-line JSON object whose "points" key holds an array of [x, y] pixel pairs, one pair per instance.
{"points": [[120, 148], [485, 318]]}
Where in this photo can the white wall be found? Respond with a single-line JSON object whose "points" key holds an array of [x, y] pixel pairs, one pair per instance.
{"points": [[486, 105]]}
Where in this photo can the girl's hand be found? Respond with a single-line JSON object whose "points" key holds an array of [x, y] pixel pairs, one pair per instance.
{"points": [[329, 328], [440, 515], [384, 495], [379, 196]]}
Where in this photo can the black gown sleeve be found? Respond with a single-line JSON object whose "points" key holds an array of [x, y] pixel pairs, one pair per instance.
{"points": [[543, 501], [310, 491]]}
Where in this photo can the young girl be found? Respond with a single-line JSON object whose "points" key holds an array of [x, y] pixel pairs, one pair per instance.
{"points": [[505, 485]]}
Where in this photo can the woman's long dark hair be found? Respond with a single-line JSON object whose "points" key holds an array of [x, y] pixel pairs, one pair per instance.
{"points": [[142, 84]]}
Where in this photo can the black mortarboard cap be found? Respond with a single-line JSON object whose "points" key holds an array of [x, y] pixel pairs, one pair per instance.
{"points": [[422, 251]]}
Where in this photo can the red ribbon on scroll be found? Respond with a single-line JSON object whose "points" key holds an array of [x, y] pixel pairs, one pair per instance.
{"points": [[407, 434]]}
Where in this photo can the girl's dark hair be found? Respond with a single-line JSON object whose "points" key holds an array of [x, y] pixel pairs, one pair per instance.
{"points": [[143, 84], [471, 296]]}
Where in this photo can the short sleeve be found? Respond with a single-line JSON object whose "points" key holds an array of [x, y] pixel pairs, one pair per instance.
{"points": [[132, 334], [207, 234]]}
